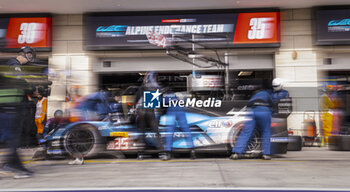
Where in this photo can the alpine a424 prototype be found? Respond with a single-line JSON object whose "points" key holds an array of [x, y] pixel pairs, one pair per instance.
{"points": [[211, 132]]}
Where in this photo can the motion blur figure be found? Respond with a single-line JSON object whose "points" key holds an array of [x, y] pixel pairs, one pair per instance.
{"points": [[260, 104], [95, 106], [146, 117], [12, 95], [331, 113], [54, 123], [338, 113], [13, 91], [25, 56], [73, 99], [50, 127], [176, 115], [41, 112]]}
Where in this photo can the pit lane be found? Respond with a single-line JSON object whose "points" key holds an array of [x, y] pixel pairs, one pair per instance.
{"points": [[310, 168]]}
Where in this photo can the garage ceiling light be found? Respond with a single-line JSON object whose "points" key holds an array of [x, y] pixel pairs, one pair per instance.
{"points": [[245, 73]]}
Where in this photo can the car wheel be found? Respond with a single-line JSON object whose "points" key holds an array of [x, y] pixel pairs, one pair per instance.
{"points": [[254, 144], [83, 140], [295, 143], [339, 142]]}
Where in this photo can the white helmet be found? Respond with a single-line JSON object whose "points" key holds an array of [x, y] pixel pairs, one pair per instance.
{"points": [[277, 84]]}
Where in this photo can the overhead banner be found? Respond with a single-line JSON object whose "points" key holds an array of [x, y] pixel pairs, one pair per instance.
{"points": [[215, 29], [332, 26], [16, 32], [254, 28]]}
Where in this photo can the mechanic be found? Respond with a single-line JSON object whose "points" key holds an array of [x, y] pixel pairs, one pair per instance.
{"points": [[12, 110], [331, 112], [146, 117], [260, 104], [73, 99], [278, 93], [41, 112], [12, 104], [95, 106], [50, 127], [54, 123], [176, 115], [26, 55], [29, 134]]}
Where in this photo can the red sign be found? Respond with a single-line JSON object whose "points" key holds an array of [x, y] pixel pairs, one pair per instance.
{"points": [[255, 28], [170, 20], [31, 31]]}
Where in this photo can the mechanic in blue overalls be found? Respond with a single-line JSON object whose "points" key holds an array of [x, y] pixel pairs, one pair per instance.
{"points": [[146, 117], [51, 126], [95, 106], [278, 93], [260, 104], [176, 115]]}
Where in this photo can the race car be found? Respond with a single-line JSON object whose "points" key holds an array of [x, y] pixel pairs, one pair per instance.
{"points": [[211, 132]]}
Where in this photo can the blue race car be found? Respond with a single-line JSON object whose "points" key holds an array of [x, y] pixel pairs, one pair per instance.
{"points": [[211, 132]]}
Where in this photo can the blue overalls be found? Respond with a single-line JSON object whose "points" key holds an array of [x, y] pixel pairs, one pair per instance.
{"points": [[261, 118], [95, 102], [276, 97], [176, 115]]}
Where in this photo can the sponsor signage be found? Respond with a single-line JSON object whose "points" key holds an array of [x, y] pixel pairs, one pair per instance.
{"points": [[207, 83], [16, 32], [154, 30], [155, 100], [254, 28], [332, 26]]}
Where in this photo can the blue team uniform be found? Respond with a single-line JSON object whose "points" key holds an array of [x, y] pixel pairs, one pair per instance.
{"points": [[96, 102], [261, 104], [176, 115], [278, 95]]}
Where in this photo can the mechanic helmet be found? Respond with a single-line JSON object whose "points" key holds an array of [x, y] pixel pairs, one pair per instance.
{"points": [[277, 84], [58, 114], [29, 53]]}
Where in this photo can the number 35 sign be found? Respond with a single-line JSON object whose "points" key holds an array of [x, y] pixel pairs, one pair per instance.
{"points": [[255, 28], [33, 31]]}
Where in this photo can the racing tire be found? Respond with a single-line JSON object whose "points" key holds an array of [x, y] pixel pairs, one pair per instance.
{"points": [[84, 140], [295, 143], [279, 148], [253, 145], [339, 142]]}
